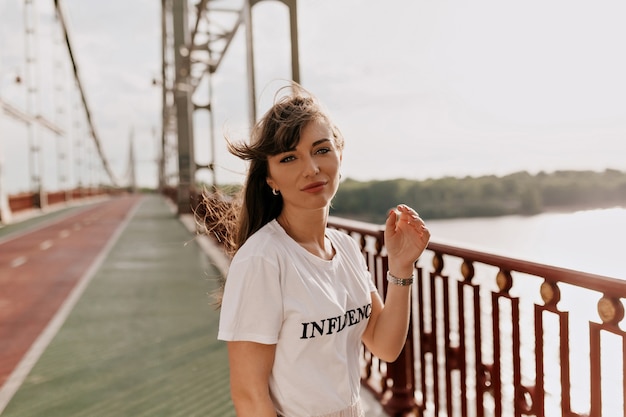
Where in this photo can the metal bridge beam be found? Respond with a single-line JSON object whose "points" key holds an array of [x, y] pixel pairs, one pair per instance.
{"points": [[184, 107], [215, 42], [295, 60]]}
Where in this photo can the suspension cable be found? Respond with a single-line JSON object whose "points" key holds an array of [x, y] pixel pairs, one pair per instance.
{"points": [[92, 128]]}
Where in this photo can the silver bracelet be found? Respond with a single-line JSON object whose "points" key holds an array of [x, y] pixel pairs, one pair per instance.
{"points": [[399, 281]]}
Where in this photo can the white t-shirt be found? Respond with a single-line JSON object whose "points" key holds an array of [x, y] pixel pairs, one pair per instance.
{"points": [[314, 310]]}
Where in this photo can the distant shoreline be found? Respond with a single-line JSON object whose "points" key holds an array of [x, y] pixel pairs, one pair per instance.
{"points": [[579, 207], [517, 194]]}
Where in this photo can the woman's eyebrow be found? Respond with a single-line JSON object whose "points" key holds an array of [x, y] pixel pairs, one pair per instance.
{"points": [[314, 144], [317, 142]]}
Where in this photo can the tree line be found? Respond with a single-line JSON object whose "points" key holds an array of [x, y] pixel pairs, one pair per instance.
{"points": [[450, 197]]}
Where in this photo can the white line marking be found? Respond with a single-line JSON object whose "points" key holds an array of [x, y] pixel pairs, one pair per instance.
{"points": [[19, 261], [45, 245]]}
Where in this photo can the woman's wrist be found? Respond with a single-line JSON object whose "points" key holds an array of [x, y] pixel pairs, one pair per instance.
{"points": [[402, 282], [401, 270]]}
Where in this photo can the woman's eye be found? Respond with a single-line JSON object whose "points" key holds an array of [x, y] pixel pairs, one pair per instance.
{"points": [[287, 158], [323, 150]]}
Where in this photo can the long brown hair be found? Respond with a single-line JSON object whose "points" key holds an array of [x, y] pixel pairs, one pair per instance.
{"points": [[277, 131]]}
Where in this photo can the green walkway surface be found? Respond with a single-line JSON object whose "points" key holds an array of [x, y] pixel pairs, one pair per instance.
{"points": [[141, 341]]}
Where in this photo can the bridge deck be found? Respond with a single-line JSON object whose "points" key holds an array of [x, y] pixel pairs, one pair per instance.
{"points": [[135, 336], [140, 340]]}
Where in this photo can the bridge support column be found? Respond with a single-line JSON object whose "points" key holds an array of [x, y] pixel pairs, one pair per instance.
{"points": [[184, 108], [295, 54]]}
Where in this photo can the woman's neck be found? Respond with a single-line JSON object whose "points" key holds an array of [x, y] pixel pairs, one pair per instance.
{"points": [[308, 230]]}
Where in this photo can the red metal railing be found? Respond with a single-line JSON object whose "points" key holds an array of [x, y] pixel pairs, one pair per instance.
{"points": [[24, 202], [496, 336]]}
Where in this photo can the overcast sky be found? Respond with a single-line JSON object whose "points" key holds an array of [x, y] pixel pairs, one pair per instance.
{"points": [[419, 88]]}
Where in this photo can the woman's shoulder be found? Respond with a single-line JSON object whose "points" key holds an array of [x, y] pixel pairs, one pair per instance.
{"points": [[261, 242]]}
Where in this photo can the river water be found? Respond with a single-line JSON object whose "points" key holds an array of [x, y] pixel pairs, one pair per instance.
{"points": [[588, 240]]}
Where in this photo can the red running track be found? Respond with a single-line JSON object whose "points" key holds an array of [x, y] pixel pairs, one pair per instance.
{"points": [[39, 269]]}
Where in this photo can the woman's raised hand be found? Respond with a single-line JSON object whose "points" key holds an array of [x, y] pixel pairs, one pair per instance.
{"points": [[406, 237]]}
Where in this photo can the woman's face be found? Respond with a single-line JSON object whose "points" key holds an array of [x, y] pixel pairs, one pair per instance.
{"points": [[307, 176]]}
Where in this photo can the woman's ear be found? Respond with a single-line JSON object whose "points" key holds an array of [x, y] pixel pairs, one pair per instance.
{"points": [[269, 182]]}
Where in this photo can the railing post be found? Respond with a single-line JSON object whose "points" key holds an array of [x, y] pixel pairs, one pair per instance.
{"points": [[5, 211], [402, 372], [40, 199]]}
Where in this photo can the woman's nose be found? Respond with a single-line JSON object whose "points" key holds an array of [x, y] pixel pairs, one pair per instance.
{"points": [[311, 168]]}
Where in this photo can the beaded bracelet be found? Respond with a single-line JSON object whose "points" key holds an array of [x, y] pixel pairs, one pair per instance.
{"points": [[399, 281]]}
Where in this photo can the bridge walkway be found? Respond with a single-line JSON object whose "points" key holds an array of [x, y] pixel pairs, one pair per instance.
{"points": [[135, 335]]}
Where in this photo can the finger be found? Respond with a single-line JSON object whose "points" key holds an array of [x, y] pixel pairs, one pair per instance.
{"points": [[414, 220], [406, 209], [392, 218]]}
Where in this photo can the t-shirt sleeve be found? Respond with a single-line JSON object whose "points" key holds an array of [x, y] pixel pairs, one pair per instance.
{"points": [[252, 305]]}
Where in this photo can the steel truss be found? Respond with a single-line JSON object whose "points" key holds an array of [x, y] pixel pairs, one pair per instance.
{"points": [[191, 55]]}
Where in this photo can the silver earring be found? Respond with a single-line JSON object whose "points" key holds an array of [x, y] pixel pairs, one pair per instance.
{"points": [[275, 192]]}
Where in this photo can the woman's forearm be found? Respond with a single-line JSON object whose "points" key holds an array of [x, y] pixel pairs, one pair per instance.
{"points": [[392, 323]]}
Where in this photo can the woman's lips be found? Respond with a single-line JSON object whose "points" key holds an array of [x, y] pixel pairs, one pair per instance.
{"points": [[314, 187]]}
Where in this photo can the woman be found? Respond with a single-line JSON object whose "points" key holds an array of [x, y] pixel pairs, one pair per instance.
{"points": [[298, 300]]}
